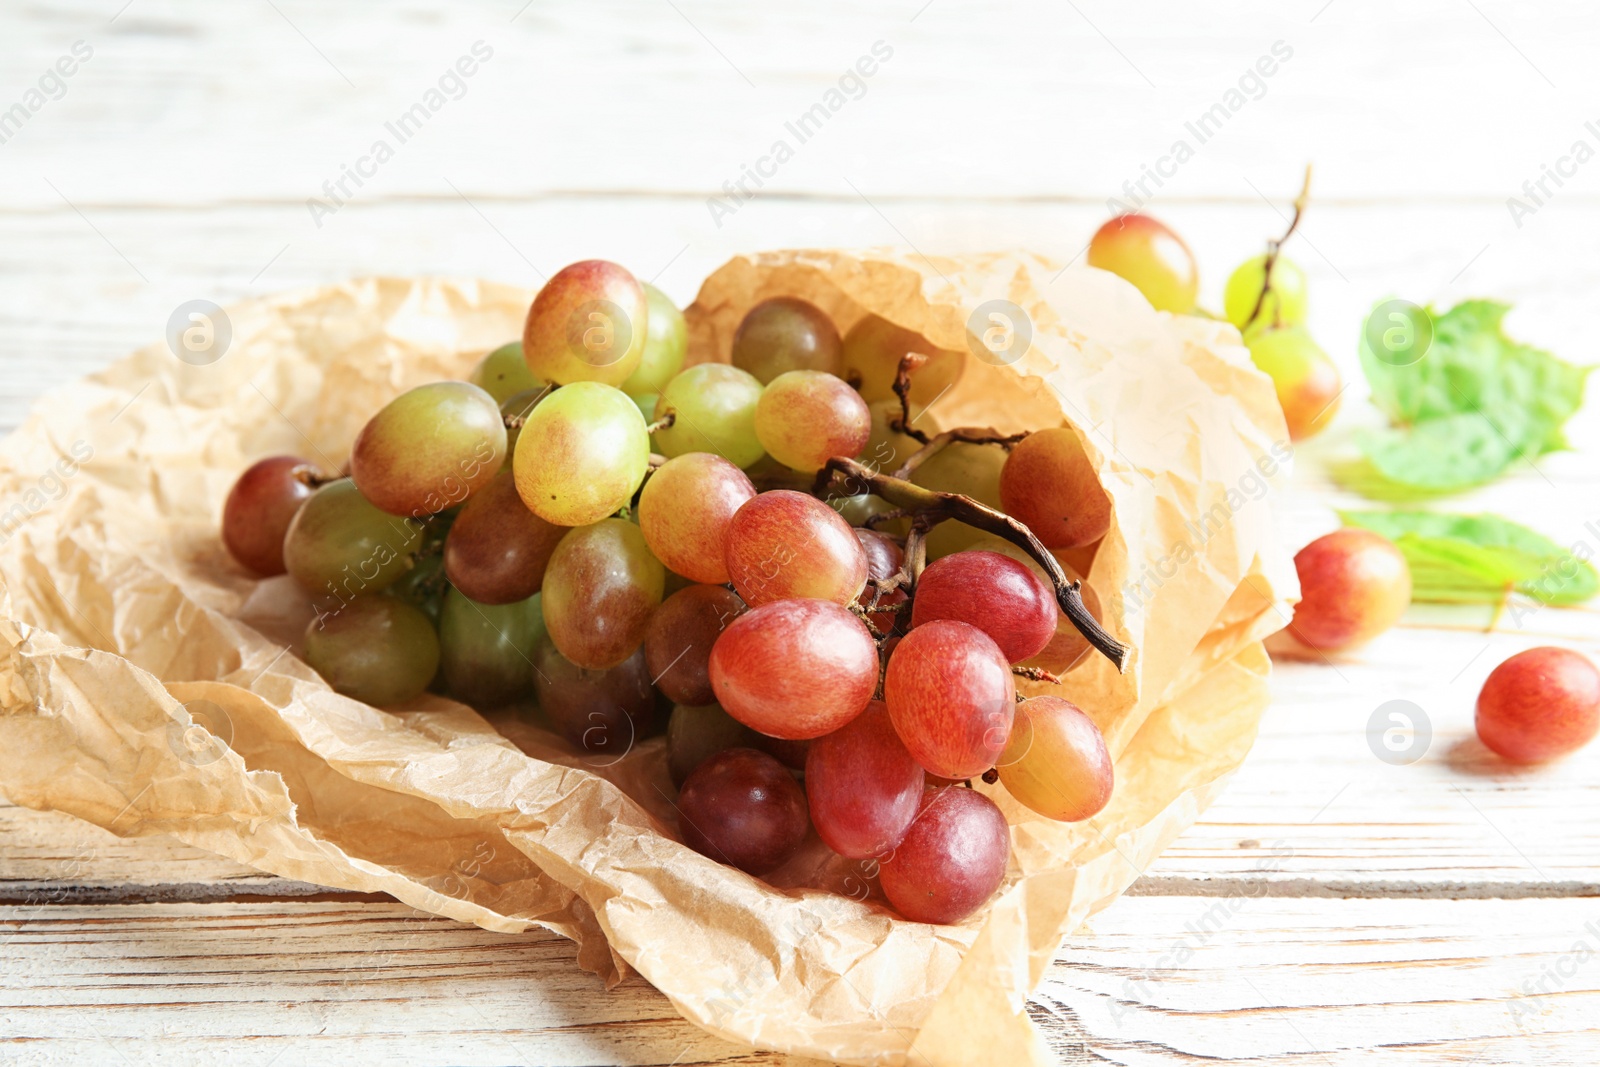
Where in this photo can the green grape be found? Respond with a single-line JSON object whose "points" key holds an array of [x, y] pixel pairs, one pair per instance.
{"points": [[785, 334], [429, 448], [1305, 379], [805, 417], [1285, 304], [587, 324], [646, 402], [339, 546], [582, 454], [872, 352], [713, 407], [423, 586], [599, 590], [517, 406], [503, 373], [376, 649], [486, 650], [969, 469], [665, 344], [857, 509]]}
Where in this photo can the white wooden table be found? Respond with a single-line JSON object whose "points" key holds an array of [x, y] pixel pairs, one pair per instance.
{"points": [[1330, 909]]}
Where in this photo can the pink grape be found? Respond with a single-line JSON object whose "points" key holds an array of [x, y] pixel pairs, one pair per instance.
{"points": [[863, 786], [795, 669], [785, 334], [804, 417], [603, 712], [1049, 485], [497, 550], [587, 324], [429, 449], [600, 587], [1056, 761], [950, 693], [783, 544]]}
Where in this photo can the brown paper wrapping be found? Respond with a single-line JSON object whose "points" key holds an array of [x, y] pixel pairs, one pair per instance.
{"points": [[151, 686]]}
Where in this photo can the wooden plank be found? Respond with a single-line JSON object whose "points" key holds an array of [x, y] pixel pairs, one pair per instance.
{"points": [[267, 101], [1167, 980]]}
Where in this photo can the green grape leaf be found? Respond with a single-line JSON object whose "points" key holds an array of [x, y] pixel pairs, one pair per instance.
{"points": [[1475, 403], [1480, 558]]}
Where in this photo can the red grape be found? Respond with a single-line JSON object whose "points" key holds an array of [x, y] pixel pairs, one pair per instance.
{"points": [[951, 860], [1056, 761], [260, 507], [785, 334], [1354, 584], [741, 807], [863, 786], [996, 594], [951, 696], [1049, 485], [685, 511], [678, 640], [1540, 704], [600, 712], [497, 550], [783, 544], [795, 669]]}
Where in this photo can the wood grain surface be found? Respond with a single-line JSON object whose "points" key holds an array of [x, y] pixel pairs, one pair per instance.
{"points": [[1330, 908]]}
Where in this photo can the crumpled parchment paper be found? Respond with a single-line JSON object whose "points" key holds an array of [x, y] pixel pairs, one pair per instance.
{"points": [[150, 685]]}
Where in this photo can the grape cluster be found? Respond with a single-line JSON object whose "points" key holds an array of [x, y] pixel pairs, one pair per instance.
{"points": [[831, 606]]}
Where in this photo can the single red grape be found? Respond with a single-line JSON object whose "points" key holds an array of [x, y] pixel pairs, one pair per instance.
{"points": [[783, 544], [951, 860], [795, 669], [996, 594], [1540, 704], [497, 550], [951, 696], [260, 507], [600, 712], [863, 786], [685, 511], [741, 807], [679, 636], [1354, 584]]}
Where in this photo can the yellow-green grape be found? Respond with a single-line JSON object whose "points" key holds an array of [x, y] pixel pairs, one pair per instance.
{"points": [[503, 373], [873, 350], [1285, 303], [1146, 252], [713, 407], [486, 650], [339, 546], [376, 649], [646, 403], [665, 344], [805, 417], [599, 590], [1306, 381], [429, 448], [969, 469], [588, 324], [582, 454]]}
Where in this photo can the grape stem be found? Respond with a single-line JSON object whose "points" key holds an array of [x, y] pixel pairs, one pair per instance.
{"points": [[310, 477], [1272, 252], [663, 422], [909, 363], [1036, 674], [928, 508]]}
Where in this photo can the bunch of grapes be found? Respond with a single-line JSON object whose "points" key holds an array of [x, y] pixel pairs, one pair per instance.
{"points": [[1265, 297], [831, 605]]}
